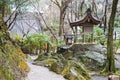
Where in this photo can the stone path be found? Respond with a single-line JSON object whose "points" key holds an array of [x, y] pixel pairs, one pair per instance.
{"points": [[95, 77], [99, 78], [42, 73]]}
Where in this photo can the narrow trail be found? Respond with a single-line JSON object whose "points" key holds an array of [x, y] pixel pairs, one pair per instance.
{"points": [[95, 77], [99, 78], [42, 73]]}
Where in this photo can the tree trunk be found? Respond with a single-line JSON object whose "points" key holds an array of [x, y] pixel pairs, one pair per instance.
{"points": [[3, 9], [61, 23], [105, 16], [62, 6], [110, 62]]}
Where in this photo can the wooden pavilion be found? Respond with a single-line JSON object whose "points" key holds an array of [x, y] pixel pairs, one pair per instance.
{"points": [[87, 25]]}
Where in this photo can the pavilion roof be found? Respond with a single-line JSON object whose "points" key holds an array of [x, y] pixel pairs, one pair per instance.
{"points": [[88, 19]]}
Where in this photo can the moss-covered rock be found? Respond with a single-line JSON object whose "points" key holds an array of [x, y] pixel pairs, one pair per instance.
{"points": [[68, 54], [12, 63], [76, 71], [69, 67], [56, 67]]}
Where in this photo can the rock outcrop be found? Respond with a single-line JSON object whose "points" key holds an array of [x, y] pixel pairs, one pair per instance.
{"points": [[71, 62], [12, 63], [93, 53], [64, 64]]}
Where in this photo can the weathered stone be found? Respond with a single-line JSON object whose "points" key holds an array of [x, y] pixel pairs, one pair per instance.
{"points": [[56, 67], [81, 48], [68, 54], [75, 70], [117, 61], [95, 56], [113, 77], [90, 54]]}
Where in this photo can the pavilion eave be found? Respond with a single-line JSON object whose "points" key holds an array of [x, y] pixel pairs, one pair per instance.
{"points": [[87, 19]]}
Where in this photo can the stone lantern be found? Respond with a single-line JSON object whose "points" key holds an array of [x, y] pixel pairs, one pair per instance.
{"points": [[68, 39]]}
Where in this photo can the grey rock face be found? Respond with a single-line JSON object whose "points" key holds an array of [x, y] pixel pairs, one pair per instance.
{"points": [[88, 47], [95, 56], [117, 61], [95, 52]]}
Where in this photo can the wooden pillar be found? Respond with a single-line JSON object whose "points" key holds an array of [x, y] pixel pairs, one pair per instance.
{"points": [[115, 35], [83, 35], [71, 41], [92, 38], [83, 38], [47, 47], [75, 40], [66, 41]]}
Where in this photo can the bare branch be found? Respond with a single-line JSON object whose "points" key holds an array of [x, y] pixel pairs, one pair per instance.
{"points": [[12, 26], [11, 16], [56, 3], [12, 21], [48, 27], [31, 26], [14, 11], [45, 22]]}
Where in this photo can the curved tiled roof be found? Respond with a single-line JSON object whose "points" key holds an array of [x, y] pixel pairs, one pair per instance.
{"points": [[88, 19]]}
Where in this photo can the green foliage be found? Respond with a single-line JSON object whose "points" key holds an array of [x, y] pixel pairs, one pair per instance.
{"points": [[1, 34], [17, 38], [7, 74], [60, 42], [117, 23], [116, 43], [2, 38], [117, 73], [8, 3], [37, 41], [99, 36], [12, 4], [98, 31], [87, 37]]}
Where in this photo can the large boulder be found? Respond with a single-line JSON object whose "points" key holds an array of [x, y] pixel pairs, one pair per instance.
{"points": [[81, 48], [90, 54], [100, 58]]}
